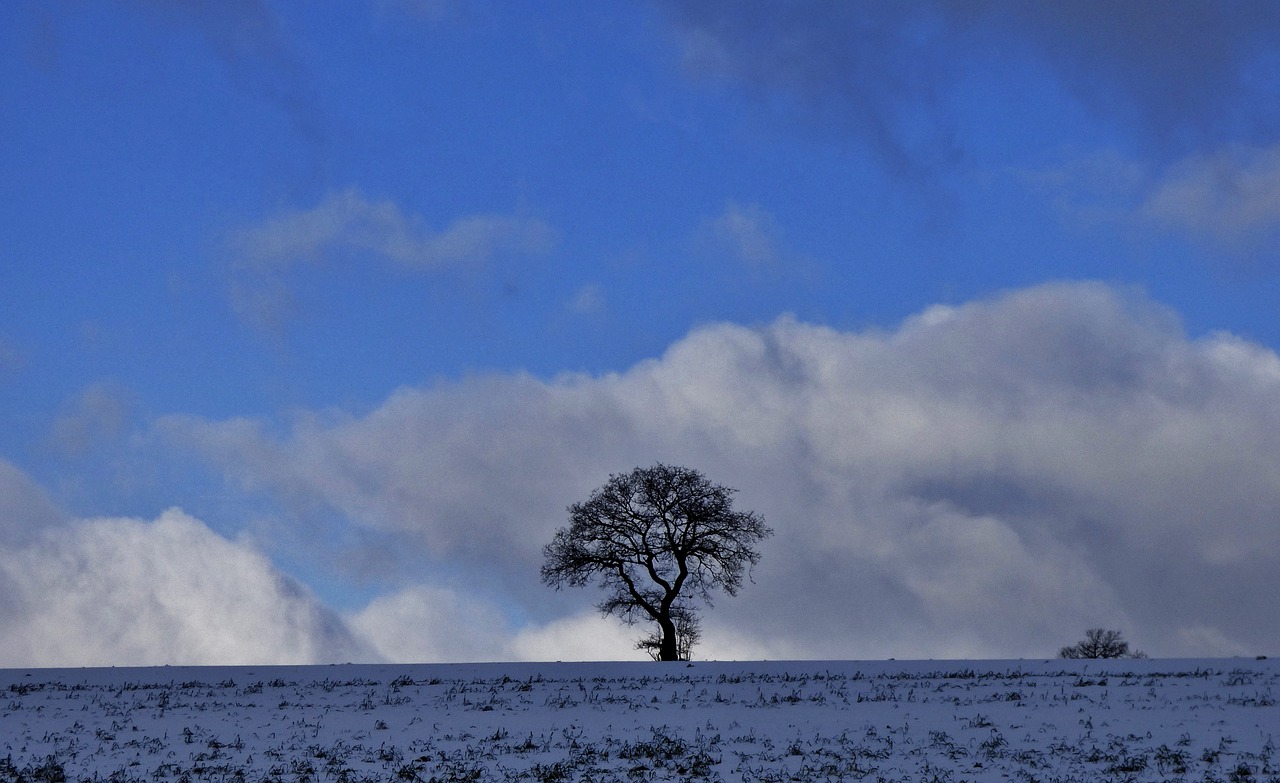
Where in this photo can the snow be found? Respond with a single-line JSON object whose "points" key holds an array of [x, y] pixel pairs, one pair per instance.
{"points": [[1056, 720]]}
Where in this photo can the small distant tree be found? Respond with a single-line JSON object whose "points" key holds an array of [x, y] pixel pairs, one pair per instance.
{"points": [[657, 540], [1100, 643]]}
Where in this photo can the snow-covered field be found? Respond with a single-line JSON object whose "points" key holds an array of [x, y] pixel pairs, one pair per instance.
{"points": [[1125, 720]]}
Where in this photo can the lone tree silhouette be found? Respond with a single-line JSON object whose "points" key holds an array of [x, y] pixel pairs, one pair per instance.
{"points": [[657, 540], [1100, 643]]}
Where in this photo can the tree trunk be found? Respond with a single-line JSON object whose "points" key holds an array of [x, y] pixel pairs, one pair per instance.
{"points": [[669, 650]]}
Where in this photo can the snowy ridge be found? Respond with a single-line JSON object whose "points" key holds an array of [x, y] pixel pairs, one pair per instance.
{"points": [[1120, 720]]}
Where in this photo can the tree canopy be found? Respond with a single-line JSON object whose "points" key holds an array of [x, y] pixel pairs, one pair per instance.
{"points": [[1100, 643], [657, 540]]}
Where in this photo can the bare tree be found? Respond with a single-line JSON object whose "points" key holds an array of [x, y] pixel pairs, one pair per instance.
{"points": [[656, 539], [1100, 643], [688, 634]]}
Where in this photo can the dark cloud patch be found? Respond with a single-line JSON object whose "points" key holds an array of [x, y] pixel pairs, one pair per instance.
{"points": [[875, 69], [1188, 75], [256, 54], [1179, 76]]}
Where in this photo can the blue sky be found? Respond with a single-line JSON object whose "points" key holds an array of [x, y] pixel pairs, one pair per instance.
{"points": [[974, 301]]}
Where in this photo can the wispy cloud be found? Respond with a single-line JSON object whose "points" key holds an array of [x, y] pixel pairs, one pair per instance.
{"points": [[589, 299], [749, 232], [1231, 196], [98, 413], [347, 226], [347, 221], [11, 358], [1228, 199]]}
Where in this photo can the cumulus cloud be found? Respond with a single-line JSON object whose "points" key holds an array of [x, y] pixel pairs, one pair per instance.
{"points": [[984, 480], [101, 592], [347, 225], [1181, 76]]}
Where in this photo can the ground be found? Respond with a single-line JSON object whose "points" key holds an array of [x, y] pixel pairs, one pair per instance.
{"points": [[1054, 720]]}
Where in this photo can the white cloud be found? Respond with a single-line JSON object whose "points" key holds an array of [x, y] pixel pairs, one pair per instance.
{"points": [[104, 592], [425, 624], [581, 637], [988, 479]]}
